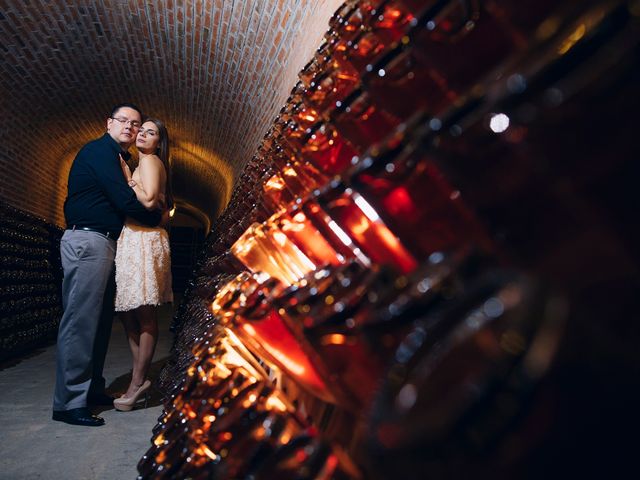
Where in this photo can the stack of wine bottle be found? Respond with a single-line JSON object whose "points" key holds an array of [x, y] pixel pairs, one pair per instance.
{"points": [[30, 279], [393, 284], [215, 266]]}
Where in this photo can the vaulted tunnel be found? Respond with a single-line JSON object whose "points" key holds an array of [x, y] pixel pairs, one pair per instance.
{"points": [[215, 71], [429, 269]]}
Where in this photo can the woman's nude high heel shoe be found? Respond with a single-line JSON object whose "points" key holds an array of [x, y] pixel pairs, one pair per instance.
{"points": [[125, 404]]}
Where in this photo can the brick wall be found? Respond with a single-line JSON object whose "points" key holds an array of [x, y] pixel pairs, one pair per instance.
{"points": [[216, 72]]}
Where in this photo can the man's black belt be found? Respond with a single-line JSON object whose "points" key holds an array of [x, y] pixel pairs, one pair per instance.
{"points": [[106, 233]]}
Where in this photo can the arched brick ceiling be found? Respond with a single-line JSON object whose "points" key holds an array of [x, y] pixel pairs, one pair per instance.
{"points": [[216, 71]]}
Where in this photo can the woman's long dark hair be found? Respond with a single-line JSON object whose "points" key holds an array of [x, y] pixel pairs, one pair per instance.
{"points": [[163, 154]]}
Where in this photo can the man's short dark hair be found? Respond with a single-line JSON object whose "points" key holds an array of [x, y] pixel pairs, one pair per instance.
{"points": [[115, 109]]}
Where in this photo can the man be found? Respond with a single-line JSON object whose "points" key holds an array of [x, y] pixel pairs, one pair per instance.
{"points": [[97, 203]]}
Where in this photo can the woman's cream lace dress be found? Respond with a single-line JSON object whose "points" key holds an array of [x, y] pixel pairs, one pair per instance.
{"points": [[143, 267]]}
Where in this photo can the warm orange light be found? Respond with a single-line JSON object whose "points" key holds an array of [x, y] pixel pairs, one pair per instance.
{"points": [[334, 339], [390, 239], [394, 13], [345, 76], [274, 403], [280, 238], [288, 226], [263, 248], [308, 239], [289, 364], [572, 39], [249, 329], [284, 438], [360, 227], [273, 337], [209, 453], [275, 183]]}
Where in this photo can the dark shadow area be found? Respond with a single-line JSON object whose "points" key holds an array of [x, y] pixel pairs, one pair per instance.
{"points": [[16, 360]]}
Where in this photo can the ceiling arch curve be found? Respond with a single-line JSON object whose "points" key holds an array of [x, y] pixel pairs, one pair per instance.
{"points": [[215, 71]]}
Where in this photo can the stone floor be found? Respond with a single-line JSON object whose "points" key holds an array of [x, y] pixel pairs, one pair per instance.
{"points": [[32, 446]]}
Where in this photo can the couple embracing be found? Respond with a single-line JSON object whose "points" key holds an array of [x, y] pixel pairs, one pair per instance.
{"points": [[115, 253]]}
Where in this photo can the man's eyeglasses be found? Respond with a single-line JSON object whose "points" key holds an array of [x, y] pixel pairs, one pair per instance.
{"points": [[132, 123]]}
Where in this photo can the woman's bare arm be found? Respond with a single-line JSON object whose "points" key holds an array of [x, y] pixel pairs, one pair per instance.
{"points": [[150, 189]]}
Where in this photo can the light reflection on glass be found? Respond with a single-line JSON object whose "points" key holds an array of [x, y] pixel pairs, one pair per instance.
{"points": [[499, 123], [263, 248]]}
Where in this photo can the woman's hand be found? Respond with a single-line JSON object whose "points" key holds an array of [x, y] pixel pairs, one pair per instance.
{"points": [[126, 171]]}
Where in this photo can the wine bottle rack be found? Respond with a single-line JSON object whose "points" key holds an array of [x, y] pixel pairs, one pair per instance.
{"points": [[30, 281]]}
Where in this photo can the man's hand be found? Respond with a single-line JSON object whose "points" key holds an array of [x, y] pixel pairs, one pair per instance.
{"points": [[126, 171]]}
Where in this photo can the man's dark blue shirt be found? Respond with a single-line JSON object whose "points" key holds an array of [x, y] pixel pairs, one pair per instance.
{"points": [[98, 196]]}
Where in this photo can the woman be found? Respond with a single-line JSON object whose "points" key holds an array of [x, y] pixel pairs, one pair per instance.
{"points": [[143, 265]]}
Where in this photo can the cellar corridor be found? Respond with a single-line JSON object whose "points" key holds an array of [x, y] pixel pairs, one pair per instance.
{"points": [[35, 447], [404, 243]]}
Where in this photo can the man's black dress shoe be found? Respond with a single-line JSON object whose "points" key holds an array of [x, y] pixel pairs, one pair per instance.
{"points": [[100, 399], [78, 416]]}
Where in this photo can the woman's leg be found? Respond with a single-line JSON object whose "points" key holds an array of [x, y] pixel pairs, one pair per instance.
{"points": [[132, 330], [147, 323]]}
